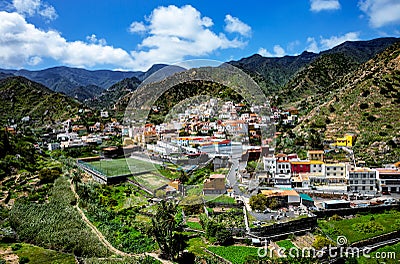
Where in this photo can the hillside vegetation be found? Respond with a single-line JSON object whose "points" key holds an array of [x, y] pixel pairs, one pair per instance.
{"points": [[367, 103], [20, 97]]}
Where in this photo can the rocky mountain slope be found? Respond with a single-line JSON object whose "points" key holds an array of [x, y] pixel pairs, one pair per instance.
{"points": [[273, 74], [367, 103]]}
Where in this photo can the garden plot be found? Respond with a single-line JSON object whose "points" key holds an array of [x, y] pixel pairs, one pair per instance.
{"points": [[151, 180]]}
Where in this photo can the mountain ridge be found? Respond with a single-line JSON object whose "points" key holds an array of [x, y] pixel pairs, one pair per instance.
{"points": [[22, 98]]}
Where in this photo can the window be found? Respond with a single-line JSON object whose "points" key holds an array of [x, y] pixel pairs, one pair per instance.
{"points": [[371, 182], [363, 182], [371, 188]]}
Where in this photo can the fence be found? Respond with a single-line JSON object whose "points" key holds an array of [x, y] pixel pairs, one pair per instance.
{"points": [[281, 229], [353, 211]]}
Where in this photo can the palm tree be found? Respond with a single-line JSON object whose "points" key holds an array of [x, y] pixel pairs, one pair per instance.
{"points": [[76, 178]]}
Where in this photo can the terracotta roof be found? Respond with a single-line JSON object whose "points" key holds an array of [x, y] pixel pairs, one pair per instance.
{"points": [[315, 151], [279, 192], [217, 176], [300, 162]]}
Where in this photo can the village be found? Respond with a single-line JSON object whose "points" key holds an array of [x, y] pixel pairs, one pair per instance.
{"points": [[218, 159], [229, 136]]}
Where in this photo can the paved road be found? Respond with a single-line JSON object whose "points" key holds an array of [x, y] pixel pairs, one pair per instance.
{"points": [[232, 177]]}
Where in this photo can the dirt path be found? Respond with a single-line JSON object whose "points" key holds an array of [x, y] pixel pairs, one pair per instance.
{"points": [[103, 240]]}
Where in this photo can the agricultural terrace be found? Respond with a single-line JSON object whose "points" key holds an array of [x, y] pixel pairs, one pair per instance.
{"points": [[236, 254], [361, 227], [151, 180], [387, 254]]}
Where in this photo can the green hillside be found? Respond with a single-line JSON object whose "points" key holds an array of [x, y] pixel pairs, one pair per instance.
{"points": [[367, 102], [20, 97], [310, 84]]}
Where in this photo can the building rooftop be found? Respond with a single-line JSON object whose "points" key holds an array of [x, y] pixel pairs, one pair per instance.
{"points": [[270, 193], [217, 176], [301, 162], [306, 197], [316, 152], [316, 162]]}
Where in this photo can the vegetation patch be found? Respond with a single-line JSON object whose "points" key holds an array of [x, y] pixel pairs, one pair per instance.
{"points": [[362, 226], [369, 227], [386, 254], [287, 244], [57, 224], [194, 225], [115, 211], [236, 254], [38, 255]]}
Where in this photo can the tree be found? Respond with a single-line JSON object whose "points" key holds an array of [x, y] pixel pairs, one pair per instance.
{"points": [[167, 229], [47, 175], [320, 242], [274, 203], [258, 202], [76, 178], [223, 236], [216, 231], [192, 204]]}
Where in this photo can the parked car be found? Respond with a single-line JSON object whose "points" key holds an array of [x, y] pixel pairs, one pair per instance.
{"points": [[266, 211]]}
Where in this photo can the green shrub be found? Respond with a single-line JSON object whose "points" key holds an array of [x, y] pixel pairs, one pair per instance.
{"points": [[23, 260], [367, 227], [16, 247], [371, 118]]}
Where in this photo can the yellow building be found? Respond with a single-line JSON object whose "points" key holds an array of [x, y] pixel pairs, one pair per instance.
{"points": [[317, 155], [346, 141]]}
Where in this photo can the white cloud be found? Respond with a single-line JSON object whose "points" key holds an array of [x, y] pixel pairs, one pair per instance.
{"points": [[24, 44], [233, 24], [321, 5], [94, 40], [137, 27], [33, 7], [171, 34], [291, 47], [263, 52], [381, 12], [312, 45], [174, 33], [278, 52], [337, 40], [328, 43]]}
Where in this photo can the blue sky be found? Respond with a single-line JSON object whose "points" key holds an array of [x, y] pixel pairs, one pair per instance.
{"points": [[133, 35]]}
